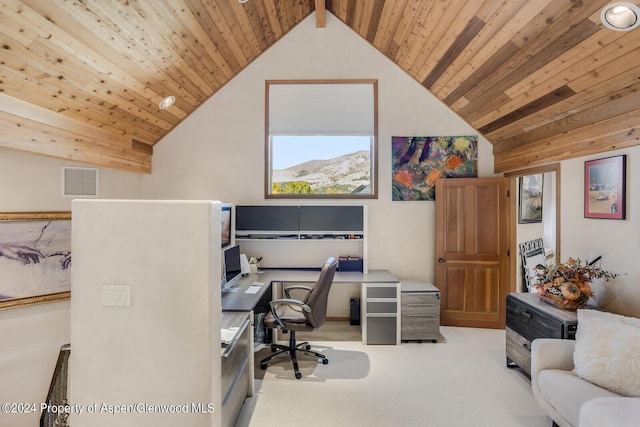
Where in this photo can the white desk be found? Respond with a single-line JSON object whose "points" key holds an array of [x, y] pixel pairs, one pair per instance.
{"points": [[242, 301]]}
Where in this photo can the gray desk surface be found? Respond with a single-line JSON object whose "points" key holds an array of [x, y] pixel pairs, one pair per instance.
{"points": [[242, 301]]}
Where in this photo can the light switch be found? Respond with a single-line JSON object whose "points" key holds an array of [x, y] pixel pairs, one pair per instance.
{"points": [[116, 296]]}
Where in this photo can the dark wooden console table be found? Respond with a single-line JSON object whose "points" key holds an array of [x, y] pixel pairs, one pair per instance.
{"points": [[529, 318]]}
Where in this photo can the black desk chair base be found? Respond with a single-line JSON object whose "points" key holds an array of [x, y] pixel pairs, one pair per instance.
{"points": [[290, 314], [292, 350]]}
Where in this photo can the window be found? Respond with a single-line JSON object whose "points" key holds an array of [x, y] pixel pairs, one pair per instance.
{"points": [[321, 139]]}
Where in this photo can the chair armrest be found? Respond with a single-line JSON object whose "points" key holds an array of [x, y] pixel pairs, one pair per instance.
{"points": [[550, 353], [292, 303], [297, 287]]}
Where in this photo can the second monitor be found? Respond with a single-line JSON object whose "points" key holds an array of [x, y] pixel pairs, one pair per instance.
{"points": [[232, 267]]}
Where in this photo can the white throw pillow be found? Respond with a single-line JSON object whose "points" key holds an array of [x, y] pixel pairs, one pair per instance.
{"points": [[607, 351]]}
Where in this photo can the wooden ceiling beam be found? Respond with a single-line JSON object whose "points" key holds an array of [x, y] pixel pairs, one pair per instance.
{"points": [[39, 138], [613, 134], [610, 98], [321, 17]]}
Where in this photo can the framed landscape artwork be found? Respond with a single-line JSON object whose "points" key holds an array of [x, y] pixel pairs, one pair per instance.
{"points": [[35, 257], [530, 206], [604, 188]]}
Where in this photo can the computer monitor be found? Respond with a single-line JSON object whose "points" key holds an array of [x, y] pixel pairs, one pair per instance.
{"points": [[232, 267], [226, 225]]}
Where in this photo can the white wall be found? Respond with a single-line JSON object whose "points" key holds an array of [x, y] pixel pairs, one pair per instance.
{"points": [[163, 348], [617, 240], [34, 183], [31, 337], [218, 152]]}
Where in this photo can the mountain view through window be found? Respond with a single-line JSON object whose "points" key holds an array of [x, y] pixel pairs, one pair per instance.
{"points": [[321, 164]]}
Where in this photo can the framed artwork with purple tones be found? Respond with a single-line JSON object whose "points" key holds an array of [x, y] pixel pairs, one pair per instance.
{"points": [[418, 161]]}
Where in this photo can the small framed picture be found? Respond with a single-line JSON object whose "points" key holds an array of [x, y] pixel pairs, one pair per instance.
{"points": [[530, 206], [604, 188]]}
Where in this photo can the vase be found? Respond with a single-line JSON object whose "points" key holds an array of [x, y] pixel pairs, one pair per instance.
{"points": [[563, 303]]}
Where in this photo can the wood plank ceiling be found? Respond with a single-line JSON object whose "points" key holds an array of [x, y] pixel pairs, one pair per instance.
{"points": [[542, 80]]}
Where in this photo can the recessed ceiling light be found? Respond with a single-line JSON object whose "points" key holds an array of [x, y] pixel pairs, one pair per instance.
{"points": [[620, 16], [243, 1], [167, 102]]}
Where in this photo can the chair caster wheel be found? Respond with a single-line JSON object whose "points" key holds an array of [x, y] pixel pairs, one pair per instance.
{"points": [[273, 348], [308, 347], [325, 361], [263, 366], [298, 375]]}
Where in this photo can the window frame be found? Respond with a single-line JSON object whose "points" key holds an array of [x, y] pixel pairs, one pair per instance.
{"points": [[374, 148]]}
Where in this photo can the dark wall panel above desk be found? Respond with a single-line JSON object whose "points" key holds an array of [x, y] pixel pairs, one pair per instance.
{"points": [[331, 218], [322, 231], [306, 219], [267, 218]]}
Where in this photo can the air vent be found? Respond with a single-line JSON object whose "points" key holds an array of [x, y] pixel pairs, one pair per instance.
{"points": [[80, 182]]}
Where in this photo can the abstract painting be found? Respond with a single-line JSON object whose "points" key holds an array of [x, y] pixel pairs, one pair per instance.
{"points": [[35, 257], [418, 161]]}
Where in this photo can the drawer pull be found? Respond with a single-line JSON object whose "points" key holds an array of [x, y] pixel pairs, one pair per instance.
{"points": [[526, 346], [421, 294], [529, 314]]}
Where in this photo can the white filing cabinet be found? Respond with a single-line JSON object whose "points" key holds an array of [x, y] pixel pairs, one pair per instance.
{"points": [[380, 305]]}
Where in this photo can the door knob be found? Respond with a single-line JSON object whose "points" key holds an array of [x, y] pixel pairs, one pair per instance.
{"points": [[442, 260]]}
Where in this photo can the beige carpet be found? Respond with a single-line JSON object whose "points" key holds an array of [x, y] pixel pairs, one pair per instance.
{"points": [[460, 382], [336, 330], [331, 331]]}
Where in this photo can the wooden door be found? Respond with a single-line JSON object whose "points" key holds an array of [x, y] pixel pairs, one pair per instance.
{"points": [[472, 259]]}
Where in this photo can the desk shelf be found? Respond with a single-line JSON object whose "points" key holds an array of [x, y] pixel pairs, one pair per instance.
{"points": [[329, 235], [319, 233]]}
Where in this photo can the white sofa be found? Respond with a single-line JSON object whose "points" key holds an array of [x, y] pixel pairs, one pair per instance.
{"points": [[605, 351], [568, 399]]}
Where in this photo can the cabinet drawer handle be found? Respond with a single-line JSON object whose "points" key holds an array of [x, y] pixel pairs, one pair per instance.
{"points": [[420, 294], [529, 314], [526, 346]]}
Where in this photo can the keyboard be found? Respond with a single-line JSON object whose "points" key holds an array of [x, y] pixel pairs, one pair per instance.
{"points": [[254, 288]]}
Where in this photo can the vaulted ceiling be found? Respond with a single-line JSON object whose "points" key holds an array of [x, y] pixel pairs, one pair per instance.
{"points": [[541, 80]]}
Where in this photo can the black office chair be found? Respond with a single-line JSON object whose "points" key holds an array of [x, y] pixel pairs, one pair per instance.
{"points": [[293, 315]]}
